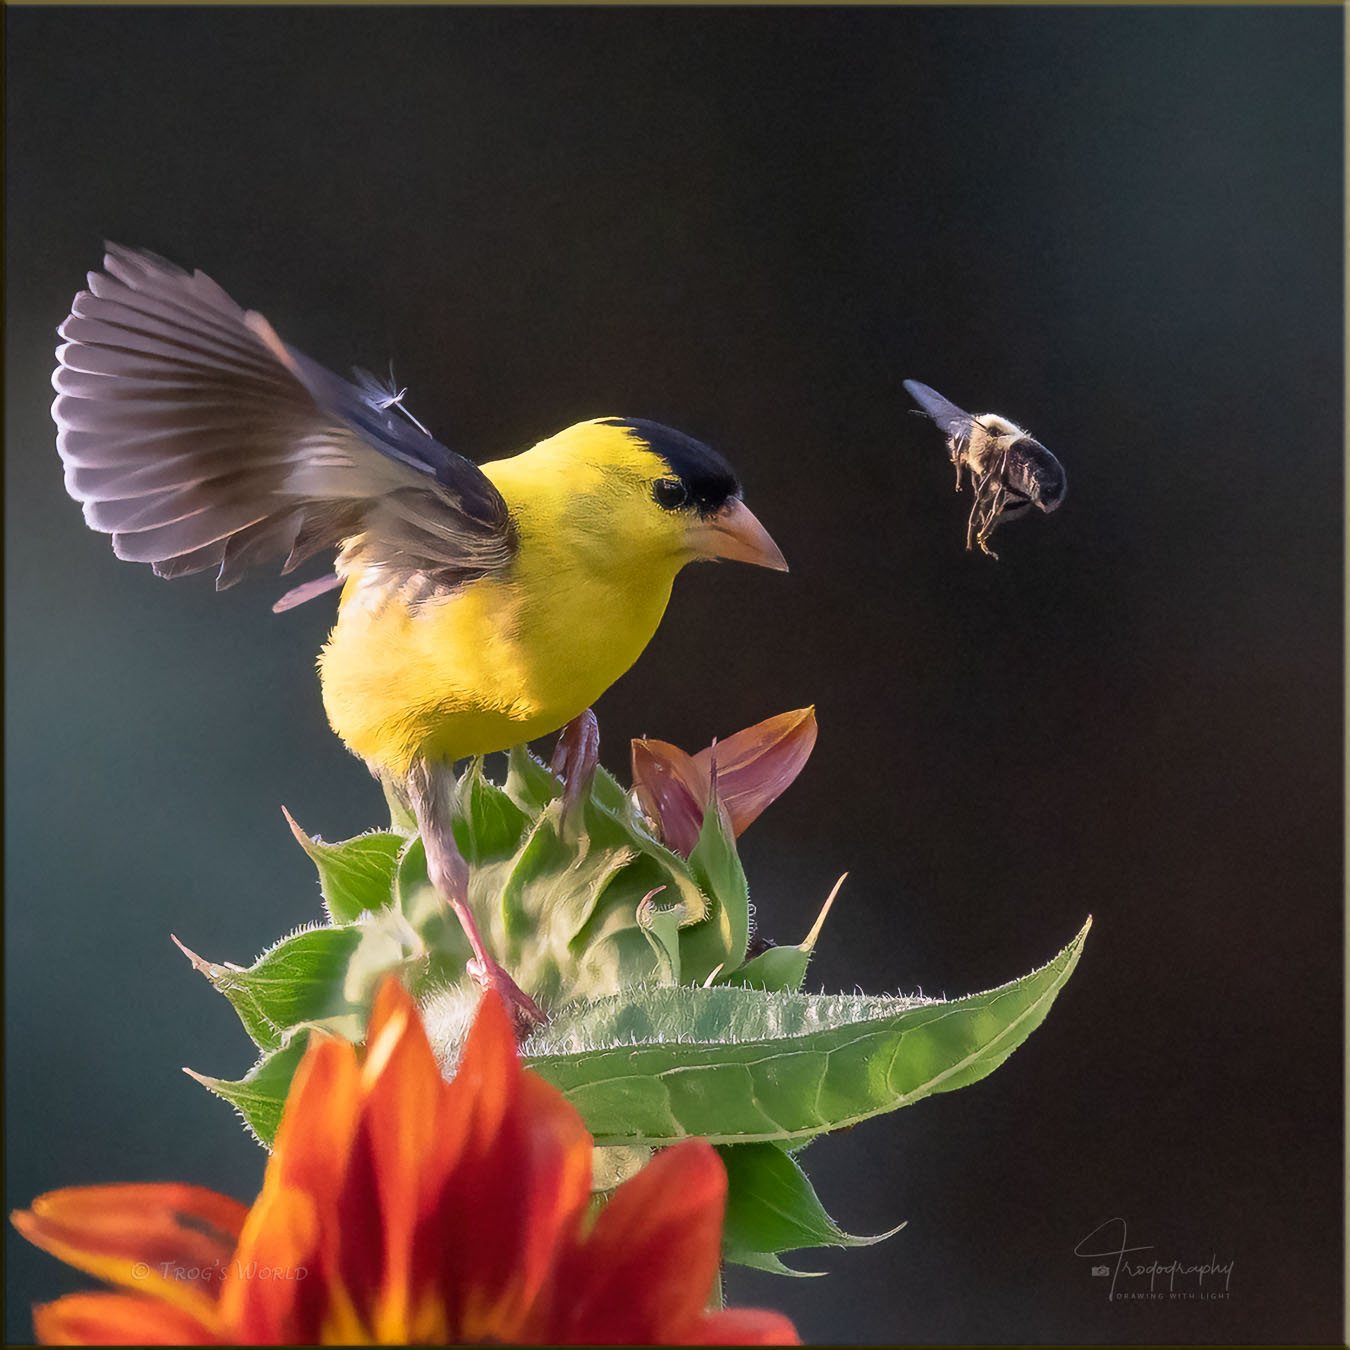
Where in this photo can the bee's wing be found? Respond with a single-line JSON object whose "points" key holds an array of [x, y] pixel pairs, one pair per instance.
{"points": [[195, 437], [953, 421]]}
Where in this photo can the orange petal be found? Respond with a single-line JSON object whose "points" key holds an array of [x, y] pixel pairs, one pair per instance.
{"points": [[402, 1088], [745, 1326], [277, 1293], [319, 1120], [672, 789], [757, 765], [164, 1240], [117, 1319], [296, 1223], [559, 1158], [645, 1272], [522, 1179]]}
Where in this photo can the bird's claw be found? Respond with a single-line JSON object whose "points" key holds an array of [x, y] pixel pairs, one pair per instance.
{"points": [[575, 759], [526, 1015]]}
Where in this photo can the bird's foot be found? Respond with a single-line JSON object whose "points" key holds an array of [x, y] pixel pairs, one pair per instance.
{"points": [[525, 1013]]}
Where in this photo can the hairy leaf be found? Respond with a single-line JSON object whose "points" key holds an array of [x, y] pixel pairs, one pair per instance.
{"points": [[742, 1065]]}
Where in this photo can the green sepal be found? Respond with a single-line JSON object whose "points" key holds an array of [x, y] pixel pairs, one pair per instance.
{"points": [[773, 1208], [530, 784], [607, 792], [260, 1095], [661, 927], [488, 824], [427, 916], [783, 967], [772, 1264], [401, 818], [562, 913], [716, 867], [779, 969], [299, 979], [356, 875]]}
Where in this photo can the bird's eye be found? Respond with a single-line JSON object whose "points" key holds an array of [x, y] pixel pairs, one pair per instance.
{"points": [[670, 493]]}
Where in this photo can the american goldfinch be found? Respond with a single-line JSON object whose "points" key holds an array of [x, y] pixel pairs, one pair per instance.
{"points": [[481, 607]]}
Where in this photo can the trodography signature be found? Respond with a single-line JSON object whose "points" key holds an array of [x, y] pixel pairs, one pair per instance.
{"points": [[1149, 1277]]}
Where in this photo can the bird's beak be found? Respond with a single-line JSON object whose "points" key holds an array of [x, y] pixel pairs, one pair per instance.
{"points": [[734, 533]]}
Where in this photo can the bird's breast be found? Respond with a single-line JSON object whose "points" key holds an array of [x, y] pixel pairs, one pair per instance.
{"points": [[496, 662]]}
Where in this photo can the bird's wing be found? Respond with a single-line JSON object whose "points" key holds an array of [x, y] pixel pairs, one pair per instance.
{"points": [[197, 438]]}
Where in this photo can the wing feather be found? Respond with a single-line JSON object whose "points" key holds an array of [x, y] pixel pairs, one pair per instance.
{"points": [[197, 438]]}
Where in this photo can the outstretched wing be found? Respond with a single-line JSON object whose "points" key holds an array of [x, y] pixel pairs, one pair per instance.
{"points": [[197, 438], [954, 422]]}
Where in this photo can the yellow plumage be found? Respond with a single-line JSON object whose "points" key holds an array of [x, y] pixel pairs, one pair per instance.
{"points": [[509, 657]]}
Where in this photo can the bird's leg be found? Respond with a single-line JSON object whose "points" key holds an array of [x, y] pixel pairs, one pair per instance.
{"points": [[427, 787], [575, 758]]}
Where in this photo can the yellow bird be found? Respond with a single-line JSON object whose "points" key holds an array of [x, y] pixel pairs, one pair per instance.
{"points": [[481, 607]]}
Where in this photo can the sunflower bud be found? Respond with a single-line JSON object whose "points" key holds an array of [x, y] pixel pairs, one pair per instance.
{"points": [[581, 889]]}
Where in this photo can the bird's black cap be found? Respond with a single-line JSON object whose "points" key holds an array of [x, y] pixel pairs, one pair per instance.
{"points": [[707, 477]]}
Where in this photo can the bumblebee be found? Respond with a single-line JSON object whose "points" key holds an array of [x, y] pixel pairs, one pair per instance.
{"points": [[1010, 471]]}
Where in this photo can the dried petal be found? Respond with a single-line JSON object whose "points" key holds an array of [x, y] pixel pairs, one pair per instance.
{"points": [[757, 765], [672, 790]]}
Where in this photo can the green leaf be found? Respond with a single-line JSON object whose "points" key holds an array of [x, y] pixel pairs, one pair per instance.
{"points": [[300, 979], [740, 1065], [356, 875], [260, 1094], [773, 1208]]}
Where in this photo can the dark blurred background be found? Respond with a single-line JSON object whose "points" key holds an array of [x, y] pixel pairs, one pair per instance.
{"points": [[1120, 227]]}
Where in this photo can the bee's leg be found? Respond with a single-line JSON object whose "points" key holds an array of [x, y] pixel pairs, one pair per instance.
{"points": [[575, 759], [957, 449], [993, 512], [979, 510], [428, 788]]}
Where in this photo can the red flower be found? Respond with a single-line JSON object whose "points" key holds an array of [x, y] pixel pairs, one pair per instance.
{"points": [[398, 1207], [754, 767]]}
